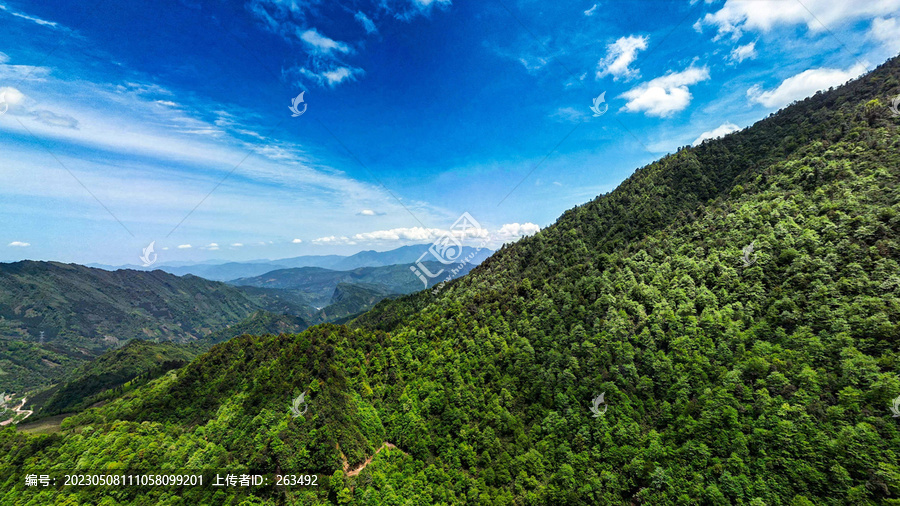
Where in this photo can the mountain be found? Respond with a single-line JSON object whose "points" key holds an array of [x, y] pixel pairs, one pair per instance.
{"points": [[351, 299], [324, 261], [81, 311], [720, 329], [259, 323], [318, 284], [96, 309], [120, 368], [403, 255], [234, 270], [223, 272], [24, 365], [111, 373]]}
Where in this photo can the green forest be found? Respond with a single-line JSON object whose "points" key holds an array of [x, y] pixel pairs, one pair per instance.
{"points": [[730, 376]]}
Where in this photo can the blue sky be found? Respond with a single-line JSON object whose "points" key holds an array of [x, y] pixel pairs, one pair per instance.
{"points": [[168, 121]]}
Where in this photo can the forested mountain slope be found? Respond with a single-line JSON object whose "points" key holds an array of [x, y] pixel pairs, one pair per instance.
{"points": [[54, 316], [259, 323], [96, 309], [729, 376], [116, 369]]}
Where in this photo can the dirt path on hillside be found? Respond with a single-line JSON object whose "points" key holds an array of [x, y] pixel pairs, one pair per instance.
{"points": [[359, 468], [18, 411]]}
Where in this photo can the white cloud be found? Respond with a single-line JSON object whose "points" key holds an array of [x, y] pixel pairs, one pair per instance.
{"points": [[720, 131], [803, 85], [11, 96], [887, 31], [321, 44], [619, 55], [211, 246], [517, 230], [665, 95], [737, 16], [369, 212], [3, 57], [184, 246], [332, 240], [422, 234], [168, 103], [236, 245], [398, 234], [590, 12], [19, 244], [745, 52], [367, 23], [297, 241]]}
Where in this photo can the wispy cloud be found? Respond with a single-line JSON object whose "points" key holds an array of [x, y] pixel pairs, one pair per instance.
{"points": [[33, 19], [744, 52], [19, 244], [419, 8], [53, 119], [619, 55], [332, 76], [320, 44], [367, 23], [569, 115]]}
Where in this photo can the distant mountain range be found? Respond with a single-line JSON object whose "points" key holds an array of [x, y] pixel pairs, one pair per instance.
{"points": [[319, 284], [55, 316], [221, 270]]}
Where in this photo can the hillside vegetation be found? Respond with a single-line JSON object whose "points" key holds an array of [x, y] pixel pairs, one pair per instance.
{"points": [[729, 376], [113, 372], [84, 311]]}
